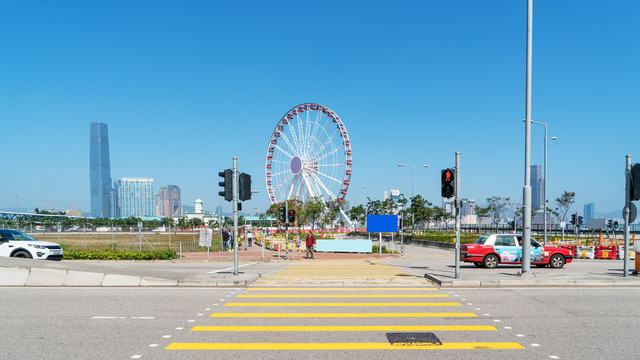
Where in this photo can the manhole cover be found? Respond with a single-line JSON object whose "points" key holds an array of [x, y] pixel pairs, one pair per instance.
{"points": [[413, 339]]}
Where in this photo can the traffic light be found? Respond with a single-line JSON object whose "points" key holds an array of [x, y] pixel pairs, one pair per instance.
{"points": [[609, 224], [635, 182], [448, 187], [244, 185], [579, 220], [283, 214], [292, 216], [615, 224], [573, 219], [227, 184]]}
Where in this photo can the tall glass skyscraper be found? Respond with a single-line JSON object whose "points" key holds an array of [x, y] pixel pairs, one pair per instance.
{"points": [[135, 197], [537, 187], [168, 201], [100, 171], [589, 211]]}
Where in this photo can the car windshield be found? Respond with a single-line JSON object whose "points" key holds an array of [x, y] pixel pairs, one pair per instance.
{"points": [[482, 239], [15, 235]]}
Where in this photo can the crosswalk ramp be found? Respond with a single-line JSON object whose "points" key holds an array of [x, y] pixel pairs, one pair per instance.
{"points": [[344, 272], [344, 321]]}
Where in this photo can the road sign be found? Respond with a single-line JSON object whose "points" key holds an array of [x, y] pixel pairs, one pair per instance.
{"points": [[633, 212], [562, 224]]}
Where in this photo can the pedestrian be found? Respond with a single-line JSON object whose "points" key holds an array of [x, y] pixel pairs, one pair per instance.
{"points": [[250, 238], [311, 241], [225, 240]]}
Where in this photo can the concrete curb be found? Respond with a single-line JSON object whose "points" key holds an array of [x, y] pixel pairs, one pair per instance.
{"points": [[493, 283], [43, 277]]}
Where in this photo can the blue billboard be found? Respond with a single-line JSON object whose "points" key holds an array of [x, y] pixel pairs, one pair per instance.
{"points": [[382, 223]]}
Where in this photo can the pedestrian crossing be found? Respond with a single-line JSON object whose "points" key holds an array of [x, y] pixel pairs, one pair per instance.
{"points": [[318, 316]]}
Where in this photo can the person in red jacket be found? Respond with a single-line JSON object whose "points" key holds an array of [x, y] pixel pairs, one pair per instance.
{"points": [[311, 241]]}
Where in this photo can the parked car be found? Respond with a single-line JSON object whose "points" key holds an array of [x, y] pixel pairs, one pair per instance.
{"points": [[493, 249], [14, 243]]}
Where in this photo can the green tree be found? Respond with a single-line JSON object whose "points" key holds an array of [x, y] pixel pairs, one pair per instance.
{"points": [[421, 209], [357, 214], [497, 206], [564, 203]]}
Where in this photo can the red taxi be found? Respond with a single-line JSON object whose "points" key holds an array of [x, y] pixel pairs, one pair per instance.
{"points": [[493, 249]]}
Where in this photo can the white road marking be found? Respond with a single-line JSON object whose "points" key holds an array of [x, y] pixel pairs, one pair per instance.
{"points": [[166, 336], [179, 328], [554, 357], [191, 321], [153, 345], [214, 304], [136, 356], [124, 317], [207, 309], [486, 314], [200, 314], [213, 272], [535, 344], [519, 335], [469, 304], [507, 327], [496, 320], [478, 309]]}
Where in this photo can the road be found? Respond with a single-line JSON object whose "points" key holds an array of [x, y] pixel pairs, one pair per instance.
{"points": [[344, 309]]}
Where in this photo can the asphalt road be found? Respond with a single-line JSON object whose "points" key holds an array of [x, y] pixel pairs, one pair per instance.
{"points": [[152, 323]]}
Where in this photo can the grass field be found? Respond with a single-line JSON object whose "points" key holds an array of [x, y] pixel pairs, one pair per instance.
{"points": [[121, 241]]}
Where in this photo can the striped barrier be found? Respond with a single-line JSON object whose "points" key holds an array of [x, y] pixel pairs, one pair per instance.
{"points": [[632, 254], [606, 252], [585, 252]]}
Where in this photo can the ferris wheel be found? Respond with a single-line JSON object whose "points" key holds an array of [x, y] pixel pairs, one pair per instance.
{"points": [[308, 155]]}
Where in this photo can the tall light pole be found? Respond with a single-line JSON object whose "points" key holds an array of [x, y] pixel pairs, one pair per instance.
{"points": [[526, 190], [413, 218], [355, 195], [545, 176], [16, 196]]}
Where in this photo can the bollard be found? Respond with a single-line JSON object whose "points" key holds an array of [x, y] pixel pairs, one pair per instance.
{"points": [[636, 248]]}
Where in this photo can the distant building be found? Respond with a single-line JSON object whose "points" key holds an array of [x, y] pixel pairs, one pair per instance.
{"points": [[200, 213], [134, 197], [100, 171], [467, 211], [395, 194], [589, 211], [537, 187], [168, 203]]}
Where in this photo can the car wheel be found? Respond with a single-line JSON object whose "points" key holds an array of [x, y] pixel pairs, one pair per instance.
{"points": [[478, 264], [557, 261], [490, 261], [22, 254]]}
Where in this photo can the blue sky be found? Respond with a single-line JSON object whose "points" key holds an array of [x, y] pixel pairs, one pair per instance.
{"points": [[185, 86]]}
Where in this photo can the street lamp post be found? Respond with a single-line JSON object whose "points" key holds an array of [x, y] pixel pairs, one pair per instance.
{"points": [[355, 195], [413, 218], [16, 196], [545, 176]]}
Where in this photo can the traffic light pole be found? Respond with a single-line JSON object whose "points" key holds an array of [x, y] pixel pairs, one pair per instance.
{"points": [[627, 211], [286, 229], [457, 205], [235, 216]]}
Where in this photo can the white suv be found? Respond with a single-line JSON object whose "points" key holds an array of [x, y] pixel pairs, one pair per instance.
{"points": [[14, 243]]}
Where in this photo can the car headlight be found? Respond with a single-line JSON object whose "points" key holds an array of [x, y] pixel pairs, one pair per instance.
{"points": [[38, 246]]}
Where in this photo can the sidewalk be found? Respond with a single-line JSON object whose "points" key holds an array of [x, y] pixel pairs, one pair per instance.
{"points": [[439, 266], [195, 270]]}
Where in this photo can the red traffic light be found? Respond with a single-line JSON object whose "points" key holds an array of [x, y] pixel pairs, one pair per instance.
{"points": [[448, 188]]}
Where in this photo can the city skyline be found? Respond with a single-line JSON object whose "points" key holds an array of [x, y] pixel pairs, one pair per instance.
{"points": [[413, 84]]}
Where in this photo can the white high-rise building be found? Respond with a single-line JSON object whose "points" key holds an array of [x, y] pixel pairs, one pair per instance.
{"points": [[134, 197]]}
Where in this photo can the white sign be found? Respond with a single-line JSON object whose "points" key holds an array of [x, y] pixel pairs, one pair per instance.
{"points": [[205, 237], [562, 224]]}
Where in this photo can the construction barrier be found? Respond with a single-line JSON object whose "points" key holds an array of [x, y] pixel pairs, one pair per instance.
{"points": [[585, 252], [571, 248], [606, 252], [632, 254]]}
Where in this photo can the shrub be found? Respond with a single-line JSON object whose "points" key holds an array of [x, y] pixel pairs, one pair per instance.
{"points": [[120, 255]]}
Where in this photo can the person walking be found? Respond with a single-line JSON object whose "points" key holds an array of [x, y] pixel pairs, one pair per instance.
{"points": [[311, 241]]}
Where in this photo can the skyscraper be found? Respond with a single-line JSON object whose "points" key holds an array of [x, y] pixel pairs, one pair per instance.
{"points": [[100, 171], [134, 197], [169, 203], [589, 211], [537, 187]]}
